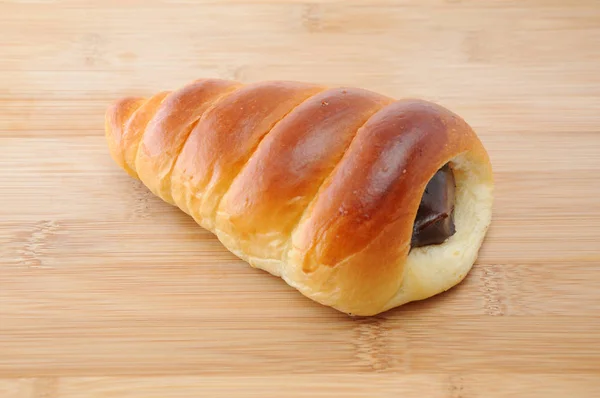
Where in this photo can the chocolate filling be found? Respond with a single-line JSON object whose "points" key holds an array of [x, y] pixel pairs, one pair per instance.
{"points": [[434, 222]]}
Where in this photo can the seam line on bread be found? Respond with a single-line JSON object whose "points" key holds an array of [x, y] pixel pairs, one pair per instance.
{"points": [[257, 147], [327, 178], [213, 103], [125, 127], [261, 140], [140, 135]]}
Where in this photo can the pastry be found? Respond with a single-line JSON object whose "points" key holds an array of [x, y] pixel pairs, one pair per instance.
{"points": [[359, 201]]}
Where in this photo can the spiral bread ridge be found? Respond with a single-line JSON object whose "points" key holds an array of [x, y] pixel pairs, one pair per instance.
{"points": [[317, 185]]}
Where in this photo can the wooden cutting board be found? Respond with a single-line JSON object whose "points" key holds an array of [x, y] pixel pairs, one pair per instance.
{"points": [[105, 291]]}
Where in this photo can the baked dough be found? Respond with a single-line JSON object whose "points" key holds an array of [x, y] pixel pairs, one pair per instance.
{"points": [[316, 185]]}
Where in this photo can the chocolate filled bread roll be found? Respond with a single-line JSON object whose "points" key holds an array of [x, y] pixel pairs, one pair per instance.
{"points": [[359, 201]]}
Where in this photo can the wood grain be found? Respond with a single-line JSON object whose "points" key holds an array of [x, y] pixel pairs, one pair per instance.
{"points": [[105, 291]]}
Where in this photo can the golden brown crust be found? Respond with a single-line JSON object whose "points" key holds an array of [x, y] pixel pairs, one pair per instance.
{"points": [[360, 225], [117, 116], [268, 197], [317, 185], [169, 128], [135, 128], [225, 138], [379, 183]]}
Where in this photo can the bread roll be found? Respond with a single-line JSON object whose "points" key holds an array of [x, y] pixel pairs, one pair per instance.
{"points": [[359, 201]]}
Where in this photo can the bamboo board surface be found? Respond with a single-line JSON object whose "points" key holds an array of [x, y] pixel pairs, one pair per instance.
{"points": [[105, 291]]}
